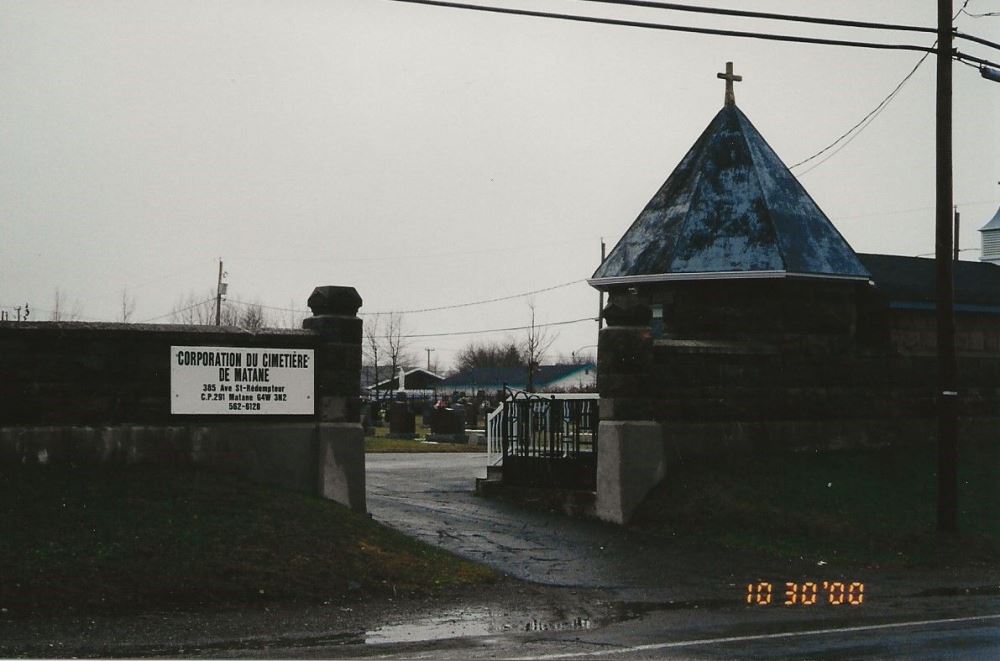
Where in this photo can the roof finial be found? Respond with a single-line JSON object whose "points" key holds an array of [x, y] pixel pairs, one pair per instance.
{"points": [[729, 77]]}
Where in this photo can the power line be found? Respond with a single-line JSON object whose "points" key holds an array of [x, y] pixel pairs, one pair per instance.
{"points": [[173, 312], [912, 209], [984, 15], [978, 40], [501, 330], [434, 309], [867, 119], [670, 6], [482, 302], [671, 28], [864, 121], [768, 15], [959, 55]]}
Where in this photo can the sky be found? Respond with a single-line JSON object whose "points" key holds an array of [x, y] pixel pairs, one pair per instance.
{"points": [[430, 156]]}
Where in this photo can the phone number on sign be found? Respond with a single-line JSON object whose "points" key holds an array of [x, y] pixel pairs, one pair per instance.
{"points": [[244, 406]]}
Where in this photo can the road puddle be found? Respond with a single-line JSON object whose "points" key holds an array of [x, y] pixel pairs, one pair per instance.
{"points": [[474, 622]]}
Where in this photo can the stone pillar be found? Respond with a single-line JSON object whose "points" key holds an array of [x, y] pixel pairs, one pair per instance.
{"points": [[630, 456], [340, 437]]}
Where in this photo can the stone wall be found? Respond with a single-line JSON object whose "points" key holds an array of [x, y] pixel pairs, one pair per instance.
{"points": [[762, 375], [88, 392]]}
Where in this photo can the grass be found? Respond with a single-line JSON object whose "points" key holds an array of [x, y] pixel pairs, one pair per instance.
{"points": [[140, 538], [867, 507], [379, 441]]}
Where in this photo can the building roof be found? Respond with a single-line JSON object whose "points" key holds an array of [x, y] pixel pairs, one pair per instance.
{"points": [[910, 282], [425, 376], [496, 377], [730, 209], [994, 223]]}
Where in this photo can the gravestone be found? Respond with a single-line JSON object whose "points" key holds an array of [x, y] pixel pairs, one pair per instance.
{"points": [[448, 424], [402, 422]]}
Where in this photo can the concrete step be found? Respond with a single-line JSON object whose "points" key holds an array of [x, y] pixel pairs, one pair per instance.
{"points": [[568, 501]]}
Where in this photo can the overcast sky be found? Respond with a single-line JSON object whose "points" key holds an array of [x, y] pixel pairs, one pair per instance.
{"points": [[430, 156]]}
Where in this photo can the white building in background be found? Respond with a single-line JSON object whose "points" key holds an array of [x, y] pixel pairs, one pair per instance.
{"points": [[990, 233]]}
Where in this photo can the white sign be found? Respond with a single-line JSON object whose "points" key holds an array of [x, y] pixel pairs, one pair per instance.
{"points": [[241, 381]]}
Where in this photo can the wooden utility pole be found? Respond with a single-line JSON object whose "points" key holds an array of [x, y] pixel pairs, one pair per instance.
{"points": [[958, 220], [600, 294], [218, 298], [947, 516]]}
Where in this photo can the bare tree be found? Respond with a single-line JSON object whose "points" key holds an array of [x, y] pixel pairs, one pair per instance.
{"points": [[197, 311], [372, 325], [537, 341], [127, 306], [61, 310], [396, 344], [251, 317], [292, 318], [194, 311]]}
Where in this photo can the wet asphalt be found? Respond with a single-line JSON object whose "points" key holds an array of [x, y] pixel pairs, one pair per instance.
{"points": [[430, 497], [674, 601]]}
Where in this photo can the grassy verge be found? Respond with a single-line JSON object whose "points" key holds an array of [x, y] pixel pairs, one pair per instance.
{"points": [[866, 507], [135, 538]]}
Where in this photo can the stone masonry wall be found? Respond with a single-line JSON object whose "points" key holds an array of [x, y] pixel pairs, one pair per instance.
{"points": [[794, 394], [85, 392], [104, 373]]}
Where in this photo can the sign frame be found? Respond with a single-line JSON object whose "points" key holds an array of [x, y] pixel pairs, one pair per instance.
{"points": [[242, 381]]}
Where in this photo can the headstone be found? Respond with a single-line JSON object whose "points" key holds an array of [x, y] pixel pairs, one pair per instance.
{"points": [[402, 422], [447, 422]]}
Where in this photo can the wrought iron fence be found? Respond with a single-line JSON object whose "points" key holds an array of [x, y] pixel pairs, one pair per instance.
{"points": [[549, 441]]}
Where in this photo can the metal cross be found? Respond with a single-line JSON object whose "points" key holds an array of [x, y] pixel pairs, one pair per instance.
{"points": [[729, 77]]}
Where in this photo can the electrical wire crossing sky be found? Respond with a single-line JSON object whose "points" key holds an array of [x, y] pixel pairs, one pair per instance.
{"points": [[456, 165]]}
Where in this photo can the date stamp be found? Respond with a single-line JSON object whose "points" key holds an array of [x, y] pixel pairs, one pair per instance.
{"points": [[808, 593]]}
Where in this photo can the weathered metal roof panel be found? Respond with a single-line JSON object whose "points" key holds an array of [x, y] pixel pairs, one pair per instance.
{"points": [[731, 205]]}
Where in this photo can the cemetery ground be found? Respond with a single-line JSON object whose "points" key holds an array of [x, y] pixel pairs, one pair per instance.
{"points": [[378, 440]]}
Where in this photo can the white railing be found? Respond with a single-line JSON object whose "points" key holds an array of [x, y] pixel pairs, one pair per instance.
{"points": [[494, 424]]}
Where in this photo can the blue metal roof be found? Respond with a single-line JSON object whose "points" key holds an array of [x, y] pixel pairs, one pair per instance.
{"points": [[730, 209]]}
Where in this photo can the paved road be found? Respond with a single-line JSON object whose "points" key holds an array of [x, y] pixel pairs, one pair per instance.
{"points": [[685, 637], [429, 496], [685, 605]]}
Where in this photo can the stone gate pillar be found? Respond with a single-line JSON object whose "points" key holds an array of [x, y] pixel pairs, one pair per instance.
{"points": [[340, 437], [630, 456]]}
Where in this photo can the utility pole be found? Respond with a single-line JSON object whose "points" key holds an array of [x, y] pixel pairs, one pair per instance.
{"points": [[947, 515], [218, 298], [428, 358], [375, 358], [955, 233], [600, 294]]}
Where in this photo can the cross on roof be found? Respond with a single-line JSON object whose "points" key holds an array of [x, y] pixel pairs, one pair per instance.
{"points": [[729, 77]]}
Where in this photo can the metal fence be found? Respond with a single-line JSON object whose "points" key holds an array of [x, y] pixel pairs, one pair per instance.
{"points": [[545, 440]]}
